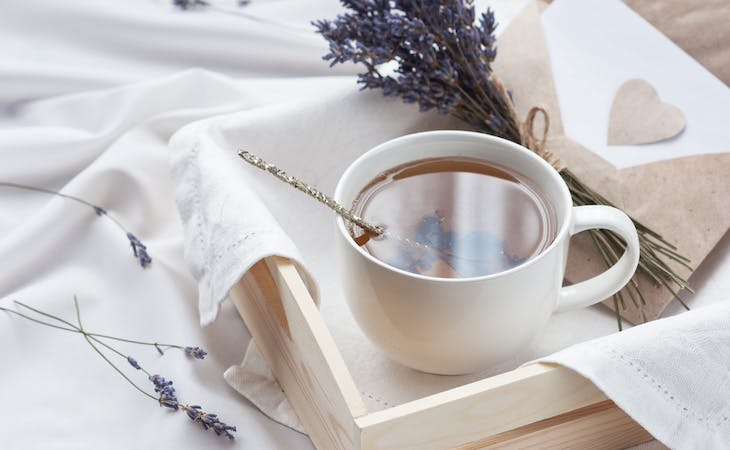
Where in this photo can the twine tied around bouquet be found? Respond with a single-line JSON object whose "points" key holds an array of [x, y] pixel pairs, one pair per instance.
{"points": [[529, 138]]}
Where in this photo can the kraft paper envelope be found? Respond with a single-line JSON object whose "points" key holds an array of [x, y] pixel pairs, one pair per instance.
{"points": [[684, 199], [699, 27]]}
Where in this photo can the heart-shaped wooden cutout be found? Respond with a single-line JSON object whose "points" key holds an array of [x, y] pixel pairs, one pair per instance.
{"points": [[638, 116]]}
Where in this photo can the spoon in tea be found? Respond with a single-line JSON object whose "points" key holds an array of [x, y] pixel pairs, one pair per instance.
{"points": [[370, 230]]}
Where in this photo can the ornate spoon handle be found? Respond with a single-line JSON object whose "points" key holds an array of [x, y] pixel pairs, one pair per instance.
{"points": [[311, 191]]}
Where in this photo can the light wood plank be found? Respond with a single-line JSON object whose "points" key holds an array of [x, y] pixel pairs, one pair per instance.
{"points": [[283, 319], [603, 426], [479, 410]]}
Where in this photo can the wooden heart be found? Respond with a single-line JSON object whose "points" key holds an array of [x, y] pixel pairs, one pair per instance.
{"points": [[638, 116]]}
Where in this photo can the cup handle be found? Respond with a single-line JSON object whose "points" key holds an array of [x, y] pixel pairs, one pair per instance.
{"points": [[602, 286]]}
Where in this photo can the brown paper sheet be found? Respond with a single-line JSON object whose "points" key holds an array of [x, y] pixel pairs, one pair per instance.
{"points": [[699, 27], [639, 116], [684, 199]]}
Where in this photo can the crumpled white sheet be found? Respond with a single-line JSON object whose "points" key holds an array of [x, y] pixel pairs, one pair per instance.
{"points": [[110, 148], [90, 93]]}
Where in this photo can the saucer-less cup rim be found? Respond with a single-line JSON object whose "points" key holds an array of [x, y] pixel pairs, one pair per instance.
{"points": [[573, 220], [427, 135]]}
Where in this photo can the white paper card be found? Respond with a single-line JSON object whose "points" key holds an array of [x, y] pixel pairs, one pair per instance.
{"points": [[597, 45]]}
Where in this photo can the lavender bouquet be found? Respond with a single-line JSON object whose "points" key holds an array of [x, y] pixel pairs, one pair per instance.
{"points": [[441, 58]]}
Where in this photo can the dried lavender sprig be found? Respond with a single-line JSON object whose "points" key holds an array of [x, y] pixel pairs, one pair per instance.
{"points": [[189, 4], [193, 5], [104, 357], [97, 335], [71, 327], [167, 396], [133, 362], [139, 250], [74, 328], [208, 421], [195, 352]]}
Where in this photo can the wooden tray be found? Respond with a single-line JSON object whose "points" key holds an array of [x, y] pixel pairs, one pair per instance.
{"points": [[536, 406]]}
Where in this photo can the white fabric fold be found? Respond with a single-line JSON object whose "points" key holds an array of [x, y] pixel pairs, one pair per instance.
{"points": [[227, 227], [672, 375], [254, 380]]}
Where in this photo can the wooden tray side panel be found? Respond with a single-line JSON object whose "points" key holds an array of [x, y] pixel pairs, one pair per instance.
{"points": [[603, 426], [279, 312], [536, 406], [482, 410]]}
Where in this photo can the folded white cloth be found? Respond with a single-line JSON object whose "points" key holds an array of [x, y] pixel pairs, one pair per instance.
{"points": [[671, 375]]}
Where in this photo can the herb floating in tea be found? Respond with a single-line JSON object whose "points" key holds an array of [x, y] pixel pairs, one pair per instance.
{"points": [[471, 254], [166, 394], [138, 248], [442, 60]]}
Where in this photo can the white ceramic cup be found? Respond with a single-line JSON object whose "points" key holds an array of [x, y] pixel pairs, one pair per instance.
{"points": [[460, 325]]}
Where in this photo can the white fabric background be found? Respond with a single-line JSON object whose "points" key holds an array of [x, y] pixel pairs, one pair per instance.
{"points": [[90, 92]]}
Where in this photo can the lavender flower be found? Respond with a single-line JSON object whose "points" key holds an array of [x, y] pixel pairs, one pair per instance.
{"points": [[443, 58], [139, 249], [195, 4], [189, 4], [195, 352], [133, 362], [209, 421], [166, 391]]}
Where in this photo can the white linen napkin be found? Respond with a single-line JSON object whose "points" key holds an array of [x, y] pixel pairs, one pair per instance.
{"points": [[672, 376]]}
